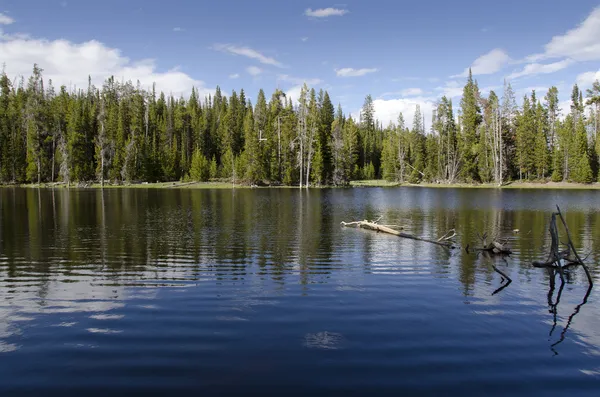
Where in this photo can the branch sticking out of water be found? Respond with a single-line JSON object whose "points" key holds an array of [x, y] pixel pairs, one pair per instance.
{"points": [[569, 255], [495, 247]]}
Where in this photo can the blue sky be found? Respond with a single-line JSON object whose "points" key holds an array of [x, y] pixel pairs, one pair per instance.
{"points": [[401, 52]]}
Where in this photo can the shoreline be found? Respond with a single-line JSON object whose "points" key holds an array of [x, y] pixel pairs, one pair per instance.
{"points": [[353, 184]]}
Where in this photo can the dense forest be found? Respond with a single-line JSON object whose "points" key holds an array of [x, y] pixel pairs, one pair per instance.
{"points": [[123, 133]]}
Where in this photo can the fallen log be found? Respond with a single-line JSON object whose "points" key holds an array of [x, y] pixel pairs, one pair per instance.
{"points": [[444, 241]]}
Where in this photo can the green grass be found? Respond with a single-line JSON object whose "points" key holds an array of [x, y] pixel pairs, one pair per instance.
{"points": [[374, 183], [363, 183]]}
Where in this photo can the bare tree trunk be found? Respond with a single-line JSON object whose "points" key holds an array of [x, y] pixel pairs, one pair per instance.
{"points": [[309, 158], [279, 146], [501, 146], [53, 153], [102, 168], [301, 160]]}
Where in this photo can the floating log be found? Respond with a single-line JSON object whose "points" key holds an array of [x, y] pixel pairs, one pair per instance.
{"points": [[444, 241]]}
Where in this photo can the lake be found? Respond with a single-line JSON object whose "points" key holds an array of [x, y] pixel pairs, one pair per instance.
{"points": [[262, 292]]}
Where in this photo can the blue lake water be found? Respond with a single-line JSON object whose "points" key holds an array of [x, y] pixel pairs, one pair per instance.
{"points": [[262, 292]]}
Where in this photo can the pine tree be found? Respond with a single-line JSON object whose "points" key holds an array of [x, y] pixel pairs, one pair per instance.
{"points": [[417, 148], [553, 110], [325, 137], [5, 129], [525, 122], [35, 126], [367, 120], [471, 118], [541, 153], [593, 96], [200, 168], [582, 171]]}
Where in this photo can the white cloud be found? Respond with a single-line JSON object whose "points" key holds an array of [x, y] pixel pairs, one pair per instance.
{"points": [[579, 44], [488, 89], [405, 92], [325, 12], [299, 80], [294, 93], [489, 63], [304, 39], [565, 109], [387, 111], [586, 79], [5, 19], [253, 70], [538, 68], [248, 52], [350, 72], [452, 89], [412, 92], [178, 29], [70, 64], [234, 76]]}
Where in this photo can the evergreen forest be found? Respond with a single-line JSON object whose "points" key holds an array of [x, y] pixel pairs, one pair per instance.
{"points": [[121, 133]]}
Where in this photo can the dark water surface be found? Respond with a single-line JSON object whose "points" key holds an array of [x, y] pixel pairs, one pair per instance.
{"points": [[261, 292]]}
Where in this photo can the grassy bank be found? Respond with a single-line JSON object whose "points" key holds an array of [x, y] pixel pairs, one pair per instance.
{"points": [[356, 184], [512, 185]]}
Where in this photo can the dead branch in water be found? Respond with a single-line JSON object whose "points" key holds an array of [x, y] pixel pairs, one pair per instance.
{"points": [[495, 247], [569, 255], [505, 280], [444, 241]]}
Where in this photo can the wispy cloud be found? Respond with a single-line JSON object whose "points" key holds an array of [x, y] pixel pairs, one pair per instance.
{"points": [[489, 63], [407, 92], [178, 29], [452, 89], [538, 68], [5, 19], [579, 44], [412, 92], [63, 4], [325, 12], [304, 39], [248, 52], [351, 72], [234, 76], [299, 80], [254, 70]]}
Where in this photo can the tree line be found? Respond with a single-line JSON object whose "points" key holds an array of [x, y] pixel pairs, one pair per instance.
{"points": [[124, 133]]}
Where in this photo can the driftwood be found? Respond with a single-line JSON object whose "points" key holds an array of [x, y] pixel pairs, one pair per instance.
{"points": [[444, 241], [495, 247], [568, 255]]}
